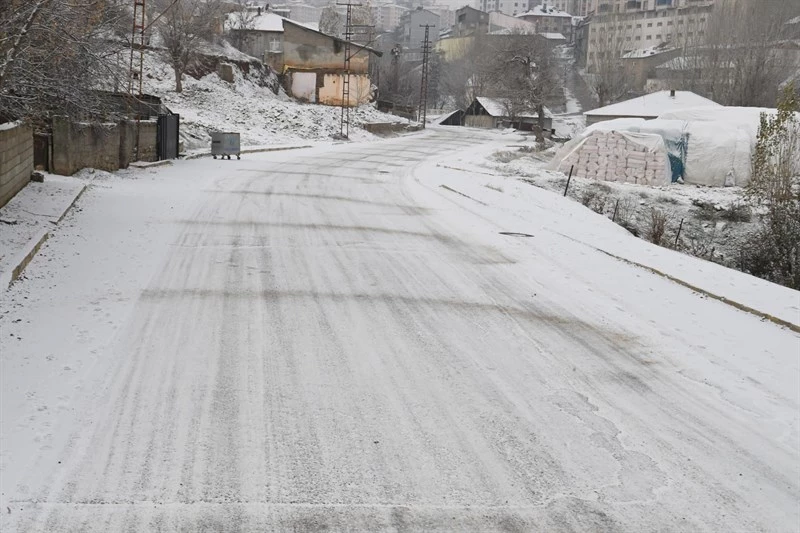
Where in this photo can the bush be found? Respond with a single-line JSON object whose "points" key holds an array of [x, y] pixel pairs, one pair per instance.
{"points": [[738, 212], [773, 251], [658, 225]]}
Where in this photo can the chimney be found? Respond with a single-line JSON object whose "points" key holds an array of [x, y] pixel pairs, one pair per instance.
{"points": [[672, 93]]}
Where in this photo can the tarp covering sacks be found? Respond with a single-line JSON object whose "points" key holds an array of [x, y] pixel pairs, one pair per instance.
{"points": [[720, 143], [616, 156]]}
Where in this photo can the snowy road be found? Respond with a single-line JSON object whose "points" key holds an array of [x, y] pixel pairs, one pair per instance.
{"points": [[328, 340]]}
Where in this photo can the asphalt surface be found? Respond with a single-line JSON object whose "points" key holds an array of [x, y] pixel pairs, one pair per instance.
{"points": [[322, 351]]}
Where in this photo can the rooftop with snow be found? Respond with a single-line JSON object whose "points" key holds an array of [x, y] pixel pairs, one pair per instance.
{"points": [[545, 11], [654, 104]]}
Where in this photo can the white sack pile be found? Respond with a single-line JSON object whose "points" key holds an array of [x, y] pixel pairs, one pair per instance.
{"points": [[616, 156]]}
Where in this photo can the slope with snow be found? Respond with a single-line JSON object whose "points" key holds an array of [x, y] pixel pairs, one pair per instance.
{"points": [[248, 107]]}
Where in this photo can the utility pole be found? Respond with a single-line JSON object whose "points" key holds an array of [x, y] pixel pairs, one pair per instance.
{"points": [[137, 38], [349, 33], [396, 51], [136, 70], [344, 125], [422, 115]]}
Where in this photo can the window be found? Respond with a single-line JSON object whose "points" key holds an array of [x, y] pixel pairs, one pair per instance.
{"points": [[660, 24], [658, 36], [638, 38], [649, 24], [669, 23], [628, 38], [649, 37], [274, 42]]}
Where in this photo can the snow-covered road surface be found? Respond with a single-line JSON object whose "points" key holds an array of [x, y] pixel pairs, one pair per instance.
{"points": [[328, 340]]}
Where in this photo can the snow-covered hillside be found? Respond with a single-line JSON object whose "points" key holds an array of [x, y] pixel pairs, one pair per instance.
{"points": [[247, 106]]}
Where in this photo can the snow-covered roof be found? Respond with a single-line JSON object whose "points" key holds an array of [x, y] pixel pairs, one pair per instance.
{"points": [[647, 52], [795, 20], [502, 20], [498, 107], [549, 11], [262, 22], [551, 36], [274, 23], [653, 105]]}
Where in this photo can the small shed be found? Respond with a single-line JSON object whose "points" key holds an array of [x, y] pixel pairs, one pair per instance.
{"points": [[492, 113], [649, 106]]}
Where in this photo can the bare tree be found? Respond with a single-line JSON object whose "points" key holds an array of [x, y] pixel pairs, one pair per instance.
{"points": [[610, 37], [240, 19], [330, 21], [735, 58], [183, 27], [53, 53], [523, 72]]}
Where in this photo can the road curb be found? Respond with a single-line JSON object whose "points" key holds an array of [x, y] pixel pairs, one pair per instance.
{"points": [[742, 307], [252, 151], [151, 164], [31, 248]]}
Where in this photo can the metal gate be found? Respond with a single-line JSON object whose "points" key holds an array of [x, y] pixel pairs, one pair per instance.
{"points": [[167, 136], [41, 151]]}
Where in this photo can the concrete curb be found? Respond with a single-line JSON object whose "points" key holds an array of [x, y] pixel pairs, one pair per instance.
{"points": [[740, 306], [72, 203], [23, 258], [252, 151], [779, 321], [31, 248], [150, 164]]}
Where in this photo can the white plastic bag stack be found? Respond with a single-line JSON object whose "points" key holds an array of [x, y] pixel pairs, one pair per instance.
{"points": [[613, 156]]}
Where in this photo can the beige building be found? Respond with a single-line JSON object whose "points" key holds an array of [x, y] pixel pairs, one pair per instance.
{"points": [[309, 62], [617, 33]]}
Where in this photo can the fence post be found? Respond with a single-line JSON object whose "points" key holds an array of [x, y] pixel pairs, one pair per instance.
{"points": [[614, 216], [568, 179], [678, 236]]}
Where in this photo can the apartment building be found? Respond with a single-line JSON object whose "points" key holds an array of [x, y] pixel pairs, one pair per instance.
{"points": [[548, 19], [305, 13], [447, 16], [507, 7], [388, 16], [618, 32]]}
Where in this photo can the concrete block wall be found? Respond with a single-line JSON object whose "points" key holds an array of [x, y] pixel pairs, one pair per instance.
{"points": [[79, 145], [127, 143], [148, 140], [16, 160]]}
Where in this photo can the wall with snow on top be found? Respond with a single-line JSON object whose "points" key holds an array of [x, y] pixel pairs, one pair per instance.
{"points": [[16, 159]]}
